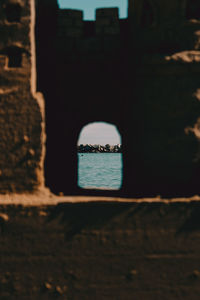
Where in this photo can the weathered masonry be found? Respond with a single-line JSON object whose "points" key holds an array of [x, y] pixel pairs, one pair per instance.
{"points": [[59, 73], [21, 117], [139, 73]]}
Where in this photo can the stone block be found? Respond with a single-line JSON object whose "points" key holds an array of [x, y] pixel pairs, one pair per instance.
{"points": [[74, 32], [65, 22], [107, 21], [114, 30], [71, 13], [70, 32], [108, 12], [104, 21], [99, 30], [70, 23], [78, 23]]}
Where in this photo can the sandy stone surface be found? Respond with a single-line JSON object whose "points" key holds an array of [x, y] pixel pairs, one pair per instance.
{"points": [[45, 197]]}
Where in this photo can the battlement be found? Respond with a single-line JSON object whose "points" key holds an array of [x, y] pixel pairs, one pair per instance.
{"points": [[76, 35], [107, 21], [70, 23]]}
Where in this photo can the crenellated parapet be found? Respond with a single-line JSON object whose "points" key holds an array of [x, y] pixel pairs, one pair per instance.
{"points": [[70, 23], [155, 25], [76, 35], [107, 21]]}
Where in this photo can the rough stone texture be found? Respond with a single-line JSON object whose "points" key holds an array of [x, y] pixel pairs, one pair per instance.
{"points": [[20, 115], [100, 250], [142, 76]]}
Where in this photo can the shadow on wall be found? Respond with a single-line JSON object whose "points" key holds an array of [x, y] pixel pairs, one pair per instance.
{"points": [[13, 12], [100, 77], [78, 217], [83, 216], [193, 9]]}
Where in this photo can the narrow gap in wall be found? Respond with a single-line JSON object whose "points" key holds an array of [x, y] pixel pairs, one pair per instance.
{"points": [[13, 12], [14, 57], [100, 157], [89, 6]]}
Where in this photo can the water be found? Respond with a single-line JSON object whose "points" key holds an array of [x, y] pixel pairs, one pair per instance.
{"points": [[100, 170]]}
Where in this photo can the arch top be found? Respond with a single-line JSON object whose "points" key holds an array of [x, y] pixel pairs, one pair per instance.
{"points": [[100, 157], [99, 133]]}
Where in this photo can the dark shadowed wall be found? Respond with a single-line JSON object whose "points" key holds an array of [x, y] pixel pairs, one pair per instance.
{"points": [[140, 74]]}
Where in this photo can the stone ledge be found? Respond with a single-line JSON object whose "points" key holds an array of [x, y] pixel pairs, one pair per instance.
{"points": [[45, 197]]}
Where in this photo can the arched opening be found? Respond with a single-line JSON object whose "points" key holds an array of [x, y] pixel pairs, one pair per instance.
{"points": [[193, 9], [13, 12], [89, 6], [100, 157], [147, 18]]}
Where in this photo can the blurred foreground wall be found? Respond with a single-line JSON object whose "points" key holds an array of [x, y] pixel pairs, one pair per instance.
{"points": [[100, 250]]}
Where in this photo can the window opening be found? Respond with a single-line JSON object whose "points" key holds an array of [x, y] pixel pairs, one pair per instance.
{"points": [[14, 57], [13, 12], [193, 9], [99, 157], [89, 6]]}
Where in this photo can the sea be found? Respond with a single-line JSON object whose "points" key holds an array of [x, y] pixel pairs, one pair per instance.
{"points": [[100, 170]]}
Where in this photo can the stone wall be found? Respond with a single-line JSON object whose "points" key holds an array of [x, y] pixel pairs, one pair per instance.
{"points": [[100, 250], [147, 84], [20, 114]]}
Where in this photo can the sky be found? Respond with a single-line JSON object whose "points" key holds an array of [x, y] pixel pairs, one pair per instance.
{"points": [[89, 6], [99, 133]]}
